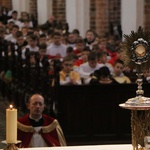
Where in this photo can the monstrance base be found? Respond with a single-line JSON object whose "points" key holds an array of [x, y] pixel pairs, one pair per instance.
{"points": [[138, 101]]}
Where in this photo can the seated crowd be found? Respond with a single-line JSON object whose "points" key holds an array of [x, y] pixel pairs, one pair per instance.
{"points": [[36, 55], [35, 58]]}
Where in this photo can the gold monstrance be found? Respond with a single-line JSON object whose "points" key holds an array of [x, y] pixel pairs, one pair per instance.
{"points": [[135, 52]]}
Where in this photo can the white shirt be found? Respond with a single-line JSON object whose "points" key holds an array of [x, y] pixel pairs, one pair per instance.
{"points": [[23, 25], [71, 45], [53, 49], [10, 38], [37, 140], [110, 67], [16, 22], [33, 49], [85, 70]]}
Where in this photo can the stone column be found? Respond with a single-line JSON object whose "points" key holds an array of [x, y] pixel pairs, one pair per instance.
{"points": [[132, 15], [44, 9], [77, 15]]}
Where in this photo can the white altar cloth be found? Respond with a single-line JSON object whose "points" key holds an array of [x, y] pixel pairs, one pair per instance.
{"points": [[90, 147]]}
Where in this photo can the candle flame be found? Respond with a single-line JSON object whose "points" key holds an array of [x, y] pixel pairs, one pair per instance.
{"points": [[11, 106]]}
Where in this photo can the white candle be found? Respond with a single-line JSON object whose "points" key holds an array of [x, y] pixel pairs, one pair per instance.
{"points": [[11, 125]]}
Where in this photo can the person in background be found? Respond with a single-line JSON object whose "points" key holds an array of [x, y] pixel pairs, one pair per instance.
{"points": [[43, 39], [37, 129], [67, 75], [43, 59], [24, 17], [90, 38], [118, 74], [102, 76], [86, 69], [79, 47], [4, 14], [12, 36], [15, 19], [82, 59], [19, 46], [69, 50], [32, 46], [33, 43], [9, 27], [51, 23], [77, 33], [49, 37], [26, 23], [71, 40], [112, 54], [102, 59], [56, 50], [24, 31]]}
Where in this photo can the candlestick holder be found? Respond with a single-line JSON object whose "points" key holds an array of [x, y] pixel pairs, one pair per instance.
{"points": [[11, 146]]}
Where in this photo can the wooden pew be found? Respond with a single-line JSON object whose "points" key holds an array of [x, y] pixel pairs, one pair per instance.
{"points": [[93, 112]]}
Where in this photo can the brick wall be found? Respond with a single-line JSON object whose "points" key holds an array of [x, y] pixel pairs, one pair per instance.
{"points": [[59, 9], [114, 10], [92, 14], [147, 15], [103, 14], [6, 3], [33, 7]]}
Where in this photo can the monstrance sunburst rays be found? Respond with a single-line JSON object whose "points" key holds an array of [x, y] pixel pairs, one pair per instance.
{"points": [[135, 49], [135, 52]]}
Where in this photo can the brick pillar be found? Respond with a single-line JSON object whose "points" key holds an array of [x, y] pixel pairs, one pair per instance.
{"points": [[33, 11], [6, 3], [33, 7], [101, 16], [59, 10], [147, 15], [0, 2], [104, 13], [114, 11], [93, 14]]}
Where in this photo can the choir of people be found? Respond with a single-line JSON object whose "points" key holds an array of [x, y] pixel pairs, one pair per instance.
{"points": [[35, 58]]}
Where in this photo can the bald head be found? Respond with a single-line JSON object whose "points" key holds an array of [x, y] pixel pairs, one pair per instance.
{"points": [[36, 96], [36, 106]]}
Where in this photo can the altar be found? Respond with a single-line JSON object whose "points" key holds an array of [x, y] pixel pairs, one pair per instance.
{"points": [[90, 147]]}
